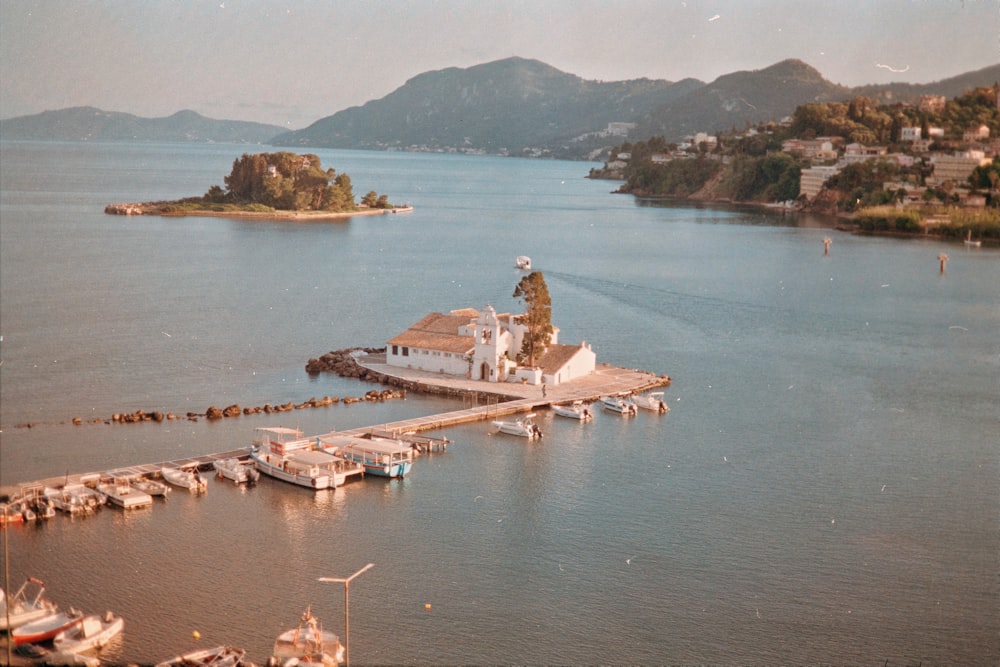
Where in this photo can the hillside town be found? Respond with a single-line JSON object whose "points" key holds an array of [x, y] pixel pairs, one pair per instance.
{"points": [[919, 165]]}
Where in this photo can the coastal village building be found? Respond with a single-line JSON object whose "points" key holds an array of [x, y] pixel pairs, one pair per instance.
{"points": [[976, 133], [811, 180], [813, 149], [956, 168], [859, 153], [482, 345]]}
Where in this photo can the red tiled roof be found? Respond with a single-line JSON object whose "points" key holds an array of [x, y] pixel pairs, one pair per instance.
{"points": [[438, 332]]}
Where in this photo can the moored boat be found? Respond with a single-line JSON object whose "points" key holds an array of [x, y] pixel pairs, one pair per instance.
{"points": [[185, 479], [619, 404], [23, 607], [217, 656], [282, 453], [121, 494], [652, 401], [46, 627], [970, 243], [236, 470], [92, 632], [575, 410], [150, 486], [380, 457], [308, 644], [524, 427]]}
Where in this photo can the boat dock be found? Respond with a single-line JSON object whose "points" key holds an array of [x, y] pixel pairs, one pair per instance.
{"points": [[488, 401]]}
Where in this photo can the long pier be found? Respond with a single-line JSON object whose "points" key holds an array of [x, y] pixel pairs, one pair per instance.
{"points": [[516, 398]]}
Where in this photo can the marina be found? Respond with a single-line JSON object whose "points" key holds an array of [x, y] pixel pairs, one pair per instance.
{"points": [[73, 493]]}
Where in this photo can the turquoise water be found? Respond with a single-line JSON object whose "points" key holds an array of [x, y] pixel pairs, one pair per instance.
{"points": [[824, 489]]}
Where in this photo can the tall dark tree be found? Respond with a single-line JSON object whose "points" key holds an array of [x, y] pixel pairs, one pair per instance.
{"points": [[537, 316]]}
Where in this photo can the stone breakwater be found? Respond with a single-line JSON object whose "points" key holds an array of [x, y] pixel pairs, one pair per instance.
{"points": [[234, 410]]}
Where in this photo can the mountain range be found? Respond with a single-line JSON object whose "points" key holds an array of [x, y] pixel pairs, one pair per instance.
{"points": [[514, 106], [91, 124]]}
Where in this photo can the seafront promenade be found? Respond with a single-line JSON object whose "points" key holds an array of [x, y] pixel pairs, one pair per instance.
{"points": [[483, 400]]}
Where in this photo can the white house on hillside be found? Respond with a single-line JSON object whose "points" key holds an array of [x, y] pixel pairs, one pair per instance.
{"points": [[482, 345]]}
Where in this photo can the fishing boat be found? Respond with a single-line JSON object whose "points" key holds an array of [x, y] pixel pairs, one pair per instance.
{"points": [[575, 410], [236, 470], [523, 262], [308, 644], [621, 405], [43, 508], [92, 632], [64, 501], [380, 457], [150, 486], [282, 453], [652, 401], [46, 627], [121, 494], [524, 427], [185, 479], [23, 607], [217, 656]]}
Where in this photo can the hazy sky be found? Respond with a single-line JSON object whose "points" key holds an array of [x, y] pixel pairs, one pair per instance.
{"points": [[293, 62]]}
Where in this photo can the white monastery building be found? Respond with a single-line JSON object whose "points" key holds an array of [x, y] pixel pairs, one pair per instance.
{"points": [[482, 345]]}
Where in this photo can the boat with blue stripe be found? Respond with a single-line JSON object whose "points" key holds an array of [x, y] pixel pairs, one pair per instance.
{"points": [[380, 457]]}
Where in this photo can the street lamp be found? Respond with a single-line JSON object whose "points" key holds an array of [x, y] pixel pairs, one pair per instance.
{"points": [[347, 613]]}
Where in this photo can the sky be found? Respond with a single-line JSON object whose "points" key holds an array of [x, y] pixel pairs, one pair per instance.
{"points": [[291, 63]]}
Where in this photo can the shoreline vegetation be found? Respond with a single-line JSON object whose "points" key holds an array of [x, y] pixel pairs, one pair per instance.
{"points": [[272, 186], [179, 209], [924, 170]]}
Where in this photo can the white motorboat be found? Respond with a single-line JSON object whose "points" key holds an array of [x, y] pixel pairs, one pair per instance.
{"points": [[217, 656], [523, 262], [308, 644], [46, 627], [380, 456], [524, 427], [575, 410], [652, 401], [284, 454], [185, 479], [619, 404], [23, 607], [150, 486], [236, 470], [93, 632], [74, 498], [121, 494]]}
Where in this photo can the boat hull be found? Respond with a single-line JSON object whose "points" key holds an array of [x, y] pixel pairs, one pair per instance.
{"points": [[93, 632], [308, 481], [45, 628]]}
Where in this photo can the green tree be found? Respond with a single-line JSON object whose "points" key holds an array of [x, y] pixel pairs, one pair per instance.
{"points": [[533, 291]]}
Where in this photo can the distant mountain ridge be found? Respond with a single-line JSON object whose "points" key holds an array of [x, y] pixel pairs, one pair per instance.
{"points": [[514, 106], [502, 106], [92, 124]]}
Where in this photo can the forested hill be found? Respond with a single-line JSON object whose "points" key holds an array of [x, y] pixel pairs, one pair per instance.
{"points": [[90, 124], [515, 106]]}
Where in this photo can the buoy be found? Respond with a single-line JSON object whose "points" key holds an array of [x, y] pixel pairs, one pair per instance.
{"points": [[196, 635], [427, 606], [826, 245]]}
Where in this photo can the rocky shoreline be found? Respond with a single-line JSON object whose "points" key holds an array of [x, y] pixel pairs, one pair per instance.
{"points": [[161, 209]]}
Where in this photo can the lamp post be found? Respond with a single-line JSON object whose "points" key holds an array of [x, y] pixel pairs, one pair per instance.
{"points": [[347, 613]]}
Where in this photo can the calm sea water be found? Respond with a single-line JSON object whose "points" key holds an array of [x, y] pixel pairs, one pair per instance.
{"points": [[824, 489]]}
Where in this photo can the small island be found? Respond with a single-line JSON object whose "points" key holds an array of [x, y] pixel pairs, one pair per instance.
{"points": [[284, 186]]}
